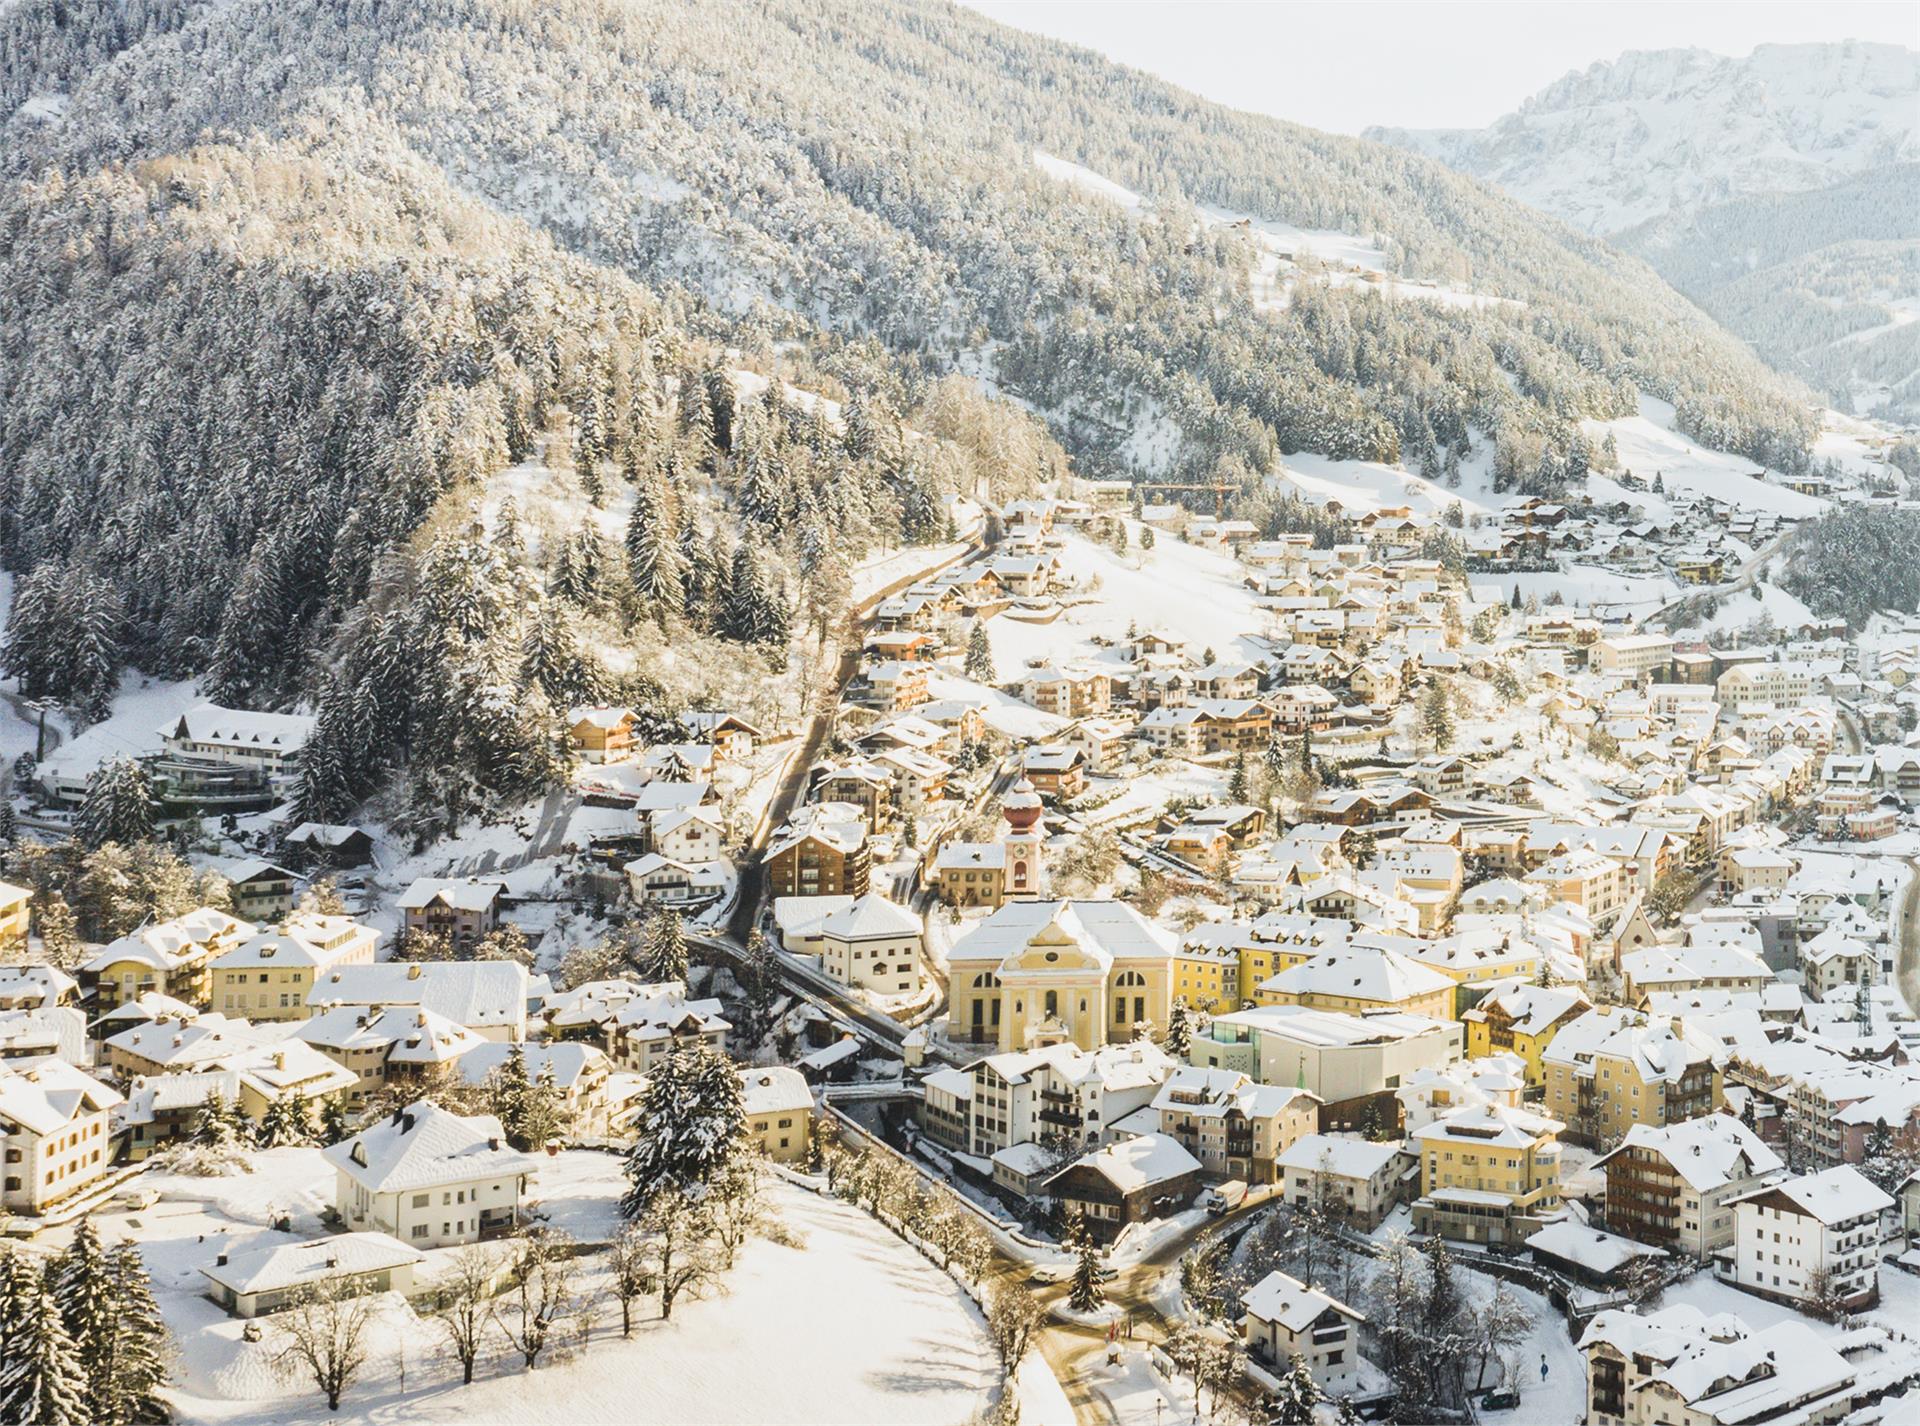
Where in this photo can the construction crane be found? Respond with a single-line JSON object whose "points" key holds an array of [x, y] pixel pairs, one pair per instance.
{"points": [[1219, 492]]}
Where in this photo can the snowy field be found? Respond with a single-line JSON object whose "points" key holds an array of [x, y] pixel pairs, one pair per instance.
{"points": [[902, 1344], [140, 710], [1738, 610], [1587, 586], [1648, 443], [1362, 486], [1351, 260], [1191, 593]]}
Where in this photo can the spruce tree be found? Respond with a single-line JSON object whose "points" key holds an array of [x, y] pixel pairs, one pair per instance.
{"points": [[1179, 1029], [286, 1121], [141, 1352], [218, 1122], [118, 806], [979, 653], [1086, 1293], [508, 1092], [689, 1126], [664, 954], [106, 1302], [760, 979], [653, 561], [83, 1284], [1294, 1402], [42, 1379], [334, 1123], [1436, 716]]}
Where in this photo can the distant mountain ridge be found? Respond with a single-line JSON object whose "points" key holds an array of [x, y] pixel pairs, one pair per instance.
{"points": [[1780, 191], [1627, 140]]}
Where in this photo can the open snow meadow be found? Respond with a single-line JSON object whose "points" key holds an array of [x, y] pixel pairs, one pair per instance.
{"points": [[901, 1341]]}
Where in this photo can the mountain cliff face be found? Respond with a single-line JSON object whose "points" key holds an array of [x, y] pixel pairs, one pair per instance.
{"points": [[1779, 191], [1622, 142]]}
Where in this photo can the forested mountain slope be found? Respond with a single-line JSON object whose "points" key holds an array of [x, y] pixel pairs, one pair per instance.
{"points": [[282, 280], [1824, 284]]}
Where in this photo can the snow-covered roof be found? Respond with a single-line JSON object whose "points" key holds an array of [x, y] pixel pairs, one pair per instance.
{"points": [[566, 1061], [425, 1146], [868, 917], [1338, 1155], [241, 727], [283, 1266], [1133, 1164], [457, 893], [1836, 1195], [1291, 1303], [1588, 1247], [1708, 1152], [1360, 974], [44, 1094], [775, 1089], [1492, 1126], [476, 994], [1107, 930]]}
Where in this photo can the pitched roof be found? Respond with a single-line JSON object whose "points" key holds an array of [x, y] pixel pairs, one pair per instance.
{"points": [[1291, 1303], [424, 1146]]}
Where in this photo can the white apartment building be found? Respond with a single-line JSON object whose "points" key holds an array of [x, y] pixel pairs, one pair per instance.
{"points": [[1060, 1092], [865, 943], [53, 1131], [1630, 655], [1327, 1052], [1791, 1235]]}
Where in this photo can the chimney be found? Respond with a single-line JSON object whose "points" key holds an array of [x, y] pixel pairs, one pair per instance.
{"points": [[413, 971], [220, 1261], [279, 1059], [494, 1144]]}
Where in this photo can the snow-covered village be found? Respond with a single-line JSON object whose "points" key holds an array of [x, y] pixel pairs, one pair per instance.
{"points": [[716, 715]]}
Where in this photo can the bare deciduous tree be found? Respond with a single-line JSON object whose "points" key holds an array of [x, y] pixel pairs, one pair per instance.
{"points": [[739, 1206], [681, 1252], [628, 1274], [539, 1294], [1013, 1316], [468, 1307], [324, 1335]]}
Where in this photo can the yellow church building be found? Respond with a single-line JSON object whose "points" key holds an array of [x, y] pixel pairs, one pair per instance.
{"points": [[1044, 972]]}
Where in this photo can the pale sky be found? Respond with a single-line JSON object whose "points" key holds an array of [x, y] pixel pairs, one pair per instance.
{"points": [[1343, 66]]}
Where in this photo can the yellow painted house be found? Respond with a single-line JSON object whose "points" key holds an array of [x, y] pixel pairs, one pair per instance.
{"points": [[779, 1109], [1522, 1021], [1360, 979], [14, 901], [1487, 1173], [267, 976], [1207, 977], [1611, 1068], [171, 958]]}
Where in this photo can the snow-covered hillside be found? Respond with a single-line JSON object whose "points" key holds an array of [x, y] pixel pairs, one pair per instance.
{"points": [[1634, 138]]}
